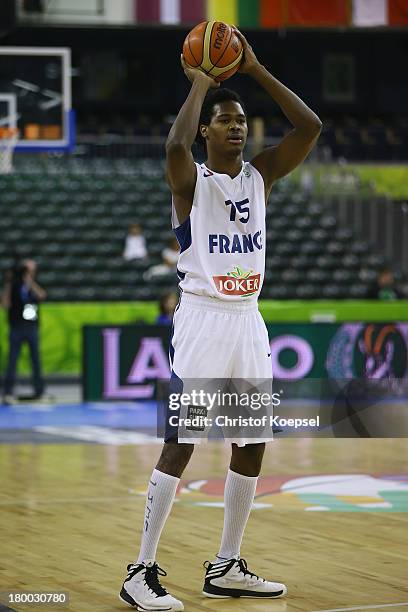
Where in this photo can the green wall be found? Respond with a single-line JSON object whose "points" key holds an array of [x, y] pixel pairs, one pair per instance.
{"points": [[333, 311], [61, 324], [382, 179]]}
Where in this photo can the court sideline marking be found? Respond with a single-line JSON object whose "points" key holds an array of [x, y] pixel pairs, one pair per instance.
{"points": [[394, 605]]}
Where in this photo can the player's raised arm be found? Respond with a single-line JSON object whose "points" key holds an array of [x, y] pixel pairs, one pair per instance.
{"points": [[180, 167], [275, 162]]}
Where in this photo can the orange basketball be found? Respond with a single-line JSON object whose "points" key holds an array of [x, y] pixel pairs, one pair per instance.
{"points": [[213, 47]]}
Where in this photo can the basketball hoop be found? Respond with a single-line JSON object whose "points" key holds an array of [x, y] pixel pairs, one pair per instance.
{"points": [[8, 141]]}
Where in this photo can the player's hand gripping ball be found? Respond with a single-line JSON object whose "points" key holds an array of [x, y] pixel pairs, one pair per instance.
{"points": [[214, 48]]}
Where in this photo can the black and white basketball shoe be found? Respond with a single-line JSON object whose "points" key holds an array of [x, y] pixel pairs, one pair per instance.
{"points": [[232, 578], [143, 591]]}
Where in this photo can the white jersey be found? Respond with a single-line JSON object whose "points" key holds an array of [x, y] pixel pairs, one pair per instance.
{"points": [[222, 242]]}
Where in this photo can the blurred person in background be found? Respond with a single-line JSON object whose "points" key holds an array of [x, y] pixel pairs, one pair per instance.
{"points": [[135, 243], [170, 257], [21, 297], [306, 180], [167, 305], [385, 287]]}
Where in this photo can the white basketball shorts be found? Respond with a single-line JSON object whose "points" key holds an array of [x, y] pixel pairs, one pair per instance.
{"points": [[214, 339]]}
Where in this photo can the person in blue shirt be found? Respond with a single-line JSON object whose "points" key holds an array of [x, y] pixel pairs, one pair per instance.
{"points": [[167, 305]]}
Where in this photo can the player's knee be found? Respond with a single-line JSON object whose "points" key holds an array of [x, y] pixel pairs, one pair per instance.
{"points": [[247, 460], [183, 451], [174, 458]]}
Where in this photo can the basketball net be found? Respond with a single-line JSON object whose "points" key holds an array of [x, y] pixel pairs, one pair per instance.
{"points": [[8, 141]]}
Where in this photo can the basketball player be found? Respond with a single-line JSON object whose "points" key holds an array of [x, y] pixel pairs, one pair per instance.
{"points": [[219, 220]]}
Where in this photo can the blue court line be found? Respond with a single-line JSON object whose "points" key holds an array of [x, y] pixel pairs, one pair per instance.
{"points": [[112, 414]]}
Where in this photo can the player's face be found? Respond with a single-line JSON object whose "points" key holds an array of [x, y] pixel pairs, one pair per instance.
{"points": [[228, 129]]}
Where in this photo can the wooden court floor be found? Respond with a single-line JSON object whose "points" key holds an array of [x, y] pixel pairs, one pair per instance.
{"points": [[330, 521]]}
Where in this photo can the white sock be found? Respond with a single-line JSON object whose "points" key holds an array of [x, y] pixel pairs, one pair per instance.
{"points": [[239, 495], [160, 497]]}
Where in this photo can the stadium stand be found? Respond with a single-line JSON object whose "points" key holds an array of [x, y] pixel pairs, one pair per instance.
{"points": [[355, 138], [73, 221]]}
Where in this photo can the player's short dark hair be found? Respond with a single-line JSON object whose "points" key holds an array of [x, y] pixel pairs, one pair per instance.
{"points": [[213, 97]]}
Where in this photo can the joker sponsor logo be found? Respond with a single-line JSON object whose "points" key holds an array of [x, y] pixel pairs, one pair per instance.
{"points": [[238, 282]]}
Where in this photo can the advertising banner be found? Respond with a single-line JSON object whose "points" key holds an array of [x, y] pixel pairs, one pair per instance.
{"points": [[125, 362]]}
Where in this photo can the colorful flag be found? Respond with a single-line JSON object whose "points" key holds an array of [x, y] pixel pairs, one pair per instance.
{"points": [[193, 11], [274, 13], [147, 12], [398, 12], [227, 11], [248, 14], [317, 12], [369, 12], [170, 11]]}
